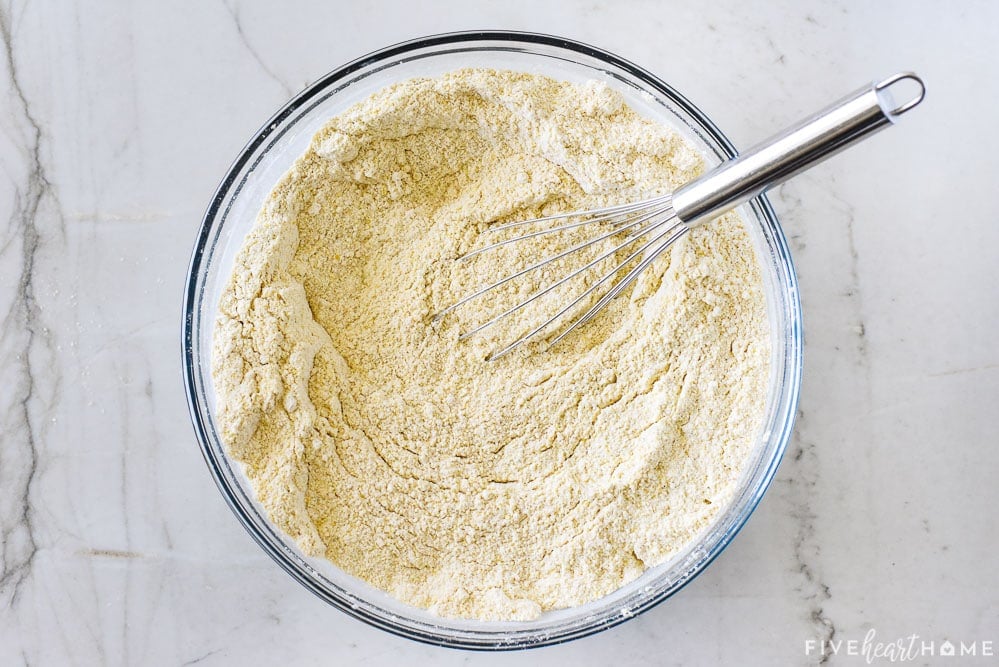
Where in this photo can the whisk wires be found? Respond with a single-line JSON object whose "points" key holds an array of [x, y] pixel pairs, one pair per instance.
{"points": [[651, 227]]}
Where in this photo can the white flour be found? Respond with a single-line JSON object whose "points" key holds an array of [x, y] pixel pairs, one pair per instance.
{"points": [[484, 490]]}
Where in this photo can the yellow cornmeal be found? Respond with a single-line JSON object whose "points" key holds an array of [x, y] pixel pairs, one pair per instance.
{"points": [[491, 490]]}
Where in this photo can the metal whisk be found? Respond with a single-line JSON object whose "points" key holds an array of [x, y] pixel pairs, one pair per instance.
{"points": [[652, 225]]}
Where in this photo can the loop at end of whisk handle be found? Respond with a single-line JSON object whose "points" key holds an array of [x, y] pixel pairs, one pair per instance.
{"points": [[842, 124]]}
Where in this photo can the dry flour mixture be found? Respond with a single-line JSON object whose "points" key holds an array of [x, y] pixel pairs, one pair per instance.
{"points": [[489, 490]]}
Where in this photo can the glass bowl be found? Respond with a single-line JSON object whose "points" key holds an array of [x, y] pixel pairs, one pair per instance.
{"points": [[272, 151]]}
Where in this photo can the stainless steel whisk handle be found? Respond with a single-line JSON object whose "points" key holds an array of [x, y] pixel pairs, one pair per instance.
{"points": [[844, 123]]}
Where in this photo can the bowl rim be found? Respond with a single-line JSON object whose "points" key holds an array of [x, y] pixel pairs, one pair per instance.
{"points": [[791, 379]]}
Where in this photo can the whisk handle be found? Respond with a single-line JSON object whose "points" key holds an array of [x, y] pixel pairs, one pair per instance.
{"points": [[794, 150]]}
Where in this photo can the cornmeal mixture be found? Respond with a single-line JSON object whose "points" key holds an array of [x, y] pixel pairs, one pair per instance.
{"points": [[490, 490]]}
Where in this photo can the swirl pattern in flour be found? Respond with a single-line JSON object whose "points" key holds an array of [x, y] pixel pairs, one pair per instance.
{"points": [[494, 490]]}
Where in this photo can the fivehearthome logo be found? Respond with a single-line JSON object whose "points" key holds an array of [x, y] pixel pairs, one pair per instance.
{"points": [[904, 649]]}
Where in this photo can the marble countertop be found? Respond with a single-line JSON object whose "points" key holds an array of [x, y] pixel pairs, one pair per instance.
{"points": [[118, 120]]}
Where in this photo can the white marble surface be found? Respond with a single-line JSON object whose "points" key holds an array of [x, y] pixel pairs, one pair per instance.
{"points": [[119, 118]]}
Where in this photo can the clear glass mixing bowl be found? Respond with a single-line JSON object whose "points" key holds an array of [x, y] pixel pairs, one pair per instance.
{"points": [[272, 151]]}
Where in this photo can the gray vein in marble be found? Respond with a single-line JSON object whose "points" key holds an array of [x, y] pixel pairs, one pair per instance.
{"points": [[781, 59], [109, 553], [234, 13], [959, 371], [126, 436], [800, 485], [854, 290], [149, 391], [789, 208], [23, 340], [129, 423], [201, 657]]}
